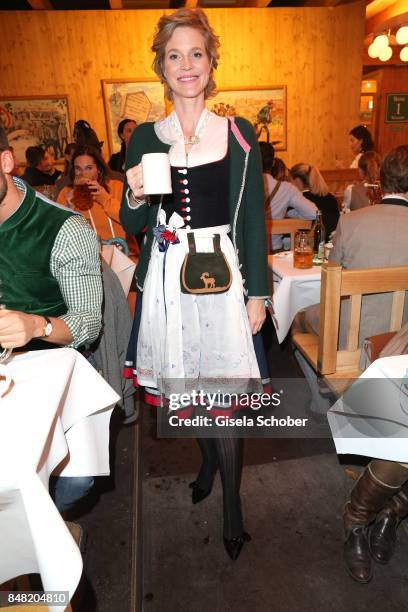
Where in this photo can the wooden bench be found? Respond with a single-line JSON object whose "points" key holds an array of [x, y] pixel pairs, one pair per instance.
{"points": [[285, 226], [338, 179], [340, 367]]}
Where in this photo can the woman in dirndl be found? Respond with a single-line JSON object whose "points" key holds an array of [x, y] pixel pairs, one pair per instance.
{"points": [[187, 341]]}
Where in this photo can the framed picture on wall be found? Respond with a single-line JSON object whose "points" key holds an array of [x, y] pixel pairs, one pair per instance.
{"points": [[36, 120], [135, 99], [264, 107]]}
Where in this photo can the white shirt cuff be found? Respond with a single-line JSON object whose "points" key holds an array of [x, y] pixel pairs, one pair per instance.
{"points": [[132, 202]]}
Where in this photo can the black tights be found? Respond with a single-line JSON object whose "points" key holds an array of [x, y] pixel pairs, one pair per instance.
{"points": [[225, 453]]}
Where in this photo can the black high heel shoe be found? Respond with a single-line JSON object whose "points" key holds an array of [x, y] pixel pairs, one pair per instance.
{"points": [[234, 546], [198, 494]]}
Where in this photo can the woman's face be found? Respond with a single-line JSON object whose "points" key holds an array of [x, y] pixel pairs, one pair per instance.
{"points": [[355, 144], [85, 168], [127, 131], [186, 64]]}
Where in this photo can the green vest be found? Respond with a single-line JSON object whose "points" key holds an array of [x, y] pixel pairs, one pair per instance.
{"points": [[26, 242]]}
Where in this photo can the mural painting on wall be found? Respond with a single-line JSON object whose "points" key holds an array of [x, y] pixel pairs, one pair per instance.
{"points": [[133, 99], [36, 120], [265, 108]]}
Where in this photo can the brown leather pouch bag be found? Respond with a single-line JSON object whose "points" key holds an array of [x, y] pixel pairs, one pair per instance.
{"points": [[204, 273]]}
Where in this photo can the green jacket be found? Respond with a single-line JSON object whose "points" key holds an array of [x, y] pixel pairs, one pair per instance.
{"points": [[246, 203]]}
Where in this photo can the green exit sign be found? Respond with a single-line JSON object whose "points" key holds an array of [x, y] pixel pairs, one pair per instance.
{"points": [[397, 108]]}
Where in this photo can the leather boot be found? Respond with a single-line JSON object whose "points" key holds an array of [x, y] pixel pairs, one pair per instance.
{"points": [[368, 496], [383, 535]]}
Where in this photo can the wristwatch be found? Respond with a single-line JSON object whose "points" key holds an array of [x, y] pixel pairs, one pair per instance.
{"points": [[47, 327]]}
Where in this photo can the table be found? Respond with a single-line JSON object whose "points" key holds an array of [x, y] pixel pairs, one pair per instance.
{"points": [[371, 418], [58, 408], [293, 289]]}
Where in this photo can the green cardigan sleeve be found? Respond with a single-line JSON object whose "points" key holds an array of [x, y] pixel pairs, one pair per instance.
{"points": [[254, 234], [133, 220]]}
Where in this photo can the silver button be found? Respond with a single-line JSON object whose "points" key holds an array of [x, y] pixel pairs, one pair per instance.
{"points": [[188, 227], [186, 191], [185, 182], [188, 209], [187, 199], [182, 171], [188, 218]]}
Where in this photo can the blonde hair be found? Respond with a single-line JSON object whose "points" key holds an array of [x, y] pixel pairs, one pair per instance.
{"points": [[311, 178], [369, 164], [191, 18]]}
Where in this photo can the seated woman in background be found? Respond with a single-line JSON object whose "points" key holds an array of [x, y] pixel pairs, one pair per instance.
{"points": [[281, 195], [357, 195], [125, 130], [313, 186], [360, 142], [101, 204]]}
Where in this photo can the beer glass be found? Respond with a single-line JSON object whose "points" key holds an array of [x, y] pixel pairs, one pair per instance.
{"points": [[303, 249], [374, 192], [82, 197]]}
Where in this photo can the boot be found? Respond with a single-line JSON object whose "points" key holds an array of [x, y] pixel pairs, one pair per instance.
{"points": [[383, 535], [367, 498]]}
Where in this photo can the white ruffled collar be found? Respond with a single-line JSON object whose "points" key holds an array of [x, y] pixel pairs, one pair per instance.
{"points": [[213, 135]]}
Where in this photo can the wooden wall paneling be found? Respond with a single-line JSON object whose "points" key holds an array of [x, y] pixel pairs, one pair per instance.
{"points": [[87, 57], [294, 47], [390, 79], [348, 44], [24, 69], [315, 52], [129, 38]]}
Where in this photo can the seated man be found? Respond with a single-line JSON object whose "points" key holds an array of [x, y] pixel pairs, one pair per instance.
{"points": [[40, 169], [49, 260], [371, 237]]}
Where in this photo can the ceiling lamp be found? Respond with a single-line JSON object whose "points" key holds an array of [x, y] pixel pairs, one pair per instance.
{"points": [[381, 41], [402, 35], [381, 44], [373, 51], [385, 54]]}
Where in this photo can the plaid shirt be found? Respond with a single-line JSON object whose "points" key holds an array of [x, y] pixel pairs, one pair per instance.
{"points": [[75, 264]]}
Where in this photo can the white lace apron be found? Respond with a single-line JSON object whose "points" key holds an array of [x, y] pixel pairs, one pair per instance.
{"points": [[195, 342]]}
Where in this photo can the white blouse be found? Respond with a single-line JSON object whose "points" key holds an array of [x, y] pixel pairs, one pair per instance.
{"points": [[211, 130]]}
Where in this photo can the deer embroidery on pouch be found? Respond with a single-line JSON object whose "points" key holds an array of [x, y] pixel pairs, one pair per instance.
{"points": [[209, 281]]}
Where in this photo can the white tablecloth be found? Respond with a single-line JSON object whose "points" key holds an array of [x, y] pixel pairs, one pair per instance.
{"points": [[58, 408], [371, 418], [293, 289]]}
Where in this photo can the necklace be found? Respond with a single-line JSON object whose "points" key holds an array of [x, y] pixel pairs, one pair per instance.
{"points": [[192, 140], [195, 138]]}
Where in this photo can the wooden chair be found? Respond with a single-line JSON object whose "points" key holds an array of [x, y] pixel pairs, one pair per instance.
{"points": [[338, 179], [340, 367], [285, 226]]}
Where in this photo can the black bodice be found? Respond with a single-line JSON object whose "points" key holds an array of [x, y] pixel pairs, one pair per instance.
{"points": [[200, 194]]}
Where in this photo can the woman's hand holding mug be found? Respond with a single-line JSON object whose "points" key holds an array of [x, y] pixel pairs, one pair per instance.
{"points": [[135, 181]]}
